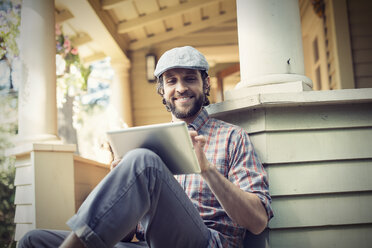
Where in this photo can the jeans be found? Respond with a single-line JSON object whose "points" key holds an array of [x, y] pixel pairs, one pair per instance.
{"points": [[139, 189]]}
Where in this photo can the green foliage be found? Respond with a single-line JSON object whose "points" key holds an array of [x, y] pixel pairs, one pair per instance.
{"points": [[8, 128], [9, 22], [7, 207], [9, 31]]}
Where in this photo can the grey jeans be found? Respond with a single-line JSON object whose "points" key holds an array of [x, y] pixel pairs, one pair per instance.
{"points": [[140, 189]]}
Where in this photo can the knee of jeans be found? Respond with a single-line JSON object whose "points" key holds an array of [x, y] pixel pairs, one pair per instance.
{"points": [[140, 153], [141, 157], [28, 238]]}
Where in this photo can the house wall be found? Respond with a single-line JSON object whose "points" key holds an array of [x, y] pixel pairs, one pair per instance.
{"points": [[345, 51], [319, 161], [339, 54], [146, 103], [24, 197], [319, 170], [360, 21], [314, 46]]}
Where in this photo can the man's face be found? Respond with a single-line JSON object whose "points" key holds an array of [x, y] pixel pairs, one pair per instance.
{"points": [[183, 92]]}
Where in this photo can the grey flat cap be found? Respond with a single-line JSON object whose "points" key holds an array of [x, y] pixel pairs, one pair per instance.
{"points": [[181, 57]]}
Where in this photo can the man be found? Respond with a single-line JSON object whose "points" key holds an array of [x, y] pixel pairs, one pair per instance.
{"points": [[210, 209]]}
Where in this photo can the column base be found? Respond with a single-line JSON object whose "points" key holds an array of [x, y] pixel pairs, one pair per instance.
{"points": [[287, 87], [274, 79], [45, 188]]}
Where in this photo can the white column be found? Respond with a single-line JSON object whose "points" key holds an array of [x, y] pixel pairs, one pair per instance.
{"points": [[37, 93], [121, 99], [270, 43]]}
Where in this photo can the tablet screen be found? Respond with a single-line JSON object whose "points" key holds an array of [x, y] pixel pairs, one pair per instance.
{"points": [[171, 141]]}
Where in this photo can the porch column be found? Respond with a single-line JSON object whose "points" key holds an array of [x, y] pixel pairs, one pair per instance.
{"points": [[44, 177], [121, 91], [270, 47], [37, 92]]}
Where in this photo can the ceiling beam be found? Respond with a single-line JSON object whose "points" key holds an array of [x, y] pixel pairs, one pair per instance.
{"points": [[213, 21], [106, 19], [110, 4], [162, 14], [208, 33], [94, 57], [221, 54], [203, 38], [204, 41], [63, 16], [81, 39]]}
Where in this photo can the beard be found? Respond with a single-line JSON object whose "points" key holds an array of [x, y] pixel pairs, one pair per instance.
{"points": [[182, 114]]}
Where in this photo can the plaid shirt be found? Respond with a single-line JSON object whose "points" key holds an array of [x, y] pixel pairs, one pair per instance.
{"points": [[229, 148]]}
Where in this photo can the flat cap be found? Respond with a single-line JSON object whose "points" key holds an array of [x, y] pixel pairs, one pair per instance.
{"points": [[181, 57]]}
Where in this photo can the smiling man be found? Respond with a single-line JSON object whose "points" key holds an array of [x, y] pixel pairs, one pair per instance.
{"points": [[140, 195], [183, 92]]}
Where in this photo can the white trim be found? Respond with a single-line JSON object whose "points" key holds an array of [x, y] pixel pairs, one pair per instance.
{"points": [[341, 43]]}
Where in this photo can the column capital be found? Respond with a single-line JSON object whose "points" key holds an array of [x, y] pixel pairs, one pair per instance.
{"points": [[120, 64]]}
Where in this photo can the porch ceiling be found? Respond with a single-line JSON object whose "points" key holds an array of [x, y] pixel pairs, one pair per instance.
{"points": [[117, 27]]}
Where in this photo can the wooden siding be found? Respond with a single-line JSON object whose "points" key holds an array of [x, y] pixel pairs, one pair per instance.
{"points": [[289, 179], [322, 210], [147, 104], [360, 20], [24, 196], [319, 163], [328, 145], [332, 236]]}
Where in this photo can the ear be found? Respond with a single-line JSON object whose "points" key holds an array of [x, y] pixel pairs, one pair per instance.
{"points": [[207, 85]]}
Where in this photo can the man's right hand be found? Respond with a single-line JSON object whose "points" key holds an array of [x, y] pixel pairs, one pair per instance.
{"points": [[115, 163]]}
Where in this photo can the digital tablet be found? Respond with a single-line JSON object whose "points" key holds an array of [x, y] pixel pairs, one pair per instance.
{"points": [[171, 141]]}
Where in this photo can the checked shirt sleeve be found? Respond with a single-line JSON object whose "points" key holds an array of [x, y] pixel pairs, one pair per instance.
{"points": [[246, 170]]}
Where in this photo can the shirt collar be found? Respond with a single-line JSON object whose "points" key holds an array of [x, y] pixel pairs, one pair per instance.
{"points": [[199, 120]]}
